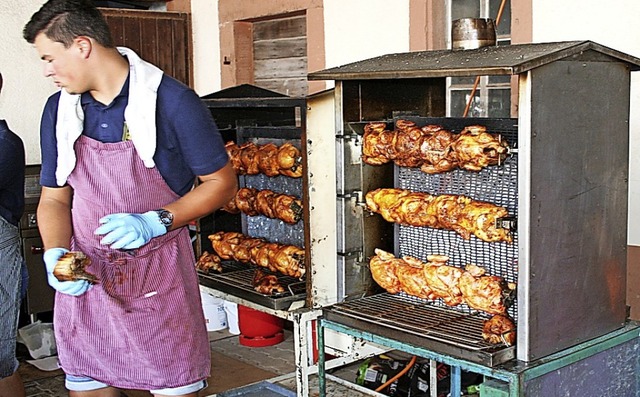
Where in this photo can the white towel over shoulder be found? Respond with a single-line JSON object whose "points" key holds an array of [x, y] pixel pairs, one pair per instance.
{"points": [[139, 115]]}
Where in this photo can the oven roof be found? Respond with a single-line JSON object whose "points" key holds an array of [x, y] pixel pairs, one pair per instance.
{"points": [[493, 60]]}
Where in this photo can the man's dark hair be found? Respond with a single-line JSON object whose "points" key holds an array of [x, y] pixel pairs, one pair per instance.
{"points": [[64, 20]]}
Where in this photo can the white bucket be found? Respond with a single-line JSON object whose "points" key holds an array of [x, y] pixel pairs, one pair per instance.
{"points": [[214, 312], [232, 317]]}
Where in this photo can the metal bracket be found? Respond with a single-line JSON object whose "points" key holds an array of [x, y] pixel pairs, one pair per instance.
{"points": [[509, 223], [349, 137], [356, 255], [355, 194]]}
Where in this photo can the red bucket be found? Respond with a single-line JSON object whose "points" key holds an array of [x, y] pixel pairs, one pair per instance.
{"points": [[259, 329]]}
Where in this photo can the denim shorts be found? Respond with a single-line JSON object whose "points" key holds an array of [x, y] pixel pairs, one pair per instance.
{"points": [[81, 383], [11, 263]]}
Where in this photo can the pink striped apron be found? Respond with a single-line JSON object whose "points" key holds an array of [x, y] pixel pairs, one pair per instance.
{"points": [[142, 327]]}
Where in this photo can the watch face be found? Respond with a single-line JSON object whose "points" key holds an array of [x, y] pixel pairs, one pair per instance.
{"points": [[166, 217]]}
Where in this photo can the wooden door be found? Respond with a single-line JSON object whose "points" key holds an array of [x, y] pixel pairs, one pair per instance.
{"points": [[162, 38]]}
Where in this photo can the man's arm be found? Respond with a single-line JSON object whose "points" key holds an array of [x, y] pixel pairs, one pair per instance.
{"points": [[54, 217], [213, 192]]}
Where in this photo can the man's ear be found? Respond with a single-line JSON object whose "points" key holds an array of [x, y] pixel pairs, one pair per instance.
{"points": [[84, 45]]}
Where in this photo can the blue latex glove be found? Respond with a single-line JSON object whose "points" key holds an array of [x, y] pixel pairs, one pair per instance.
{"points": [[130, 231], [74, 288]]}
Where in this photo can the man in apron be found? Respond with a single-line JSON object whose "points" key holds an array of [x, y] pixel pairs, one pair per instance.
{"points": [[122, 144], [12, 164]]}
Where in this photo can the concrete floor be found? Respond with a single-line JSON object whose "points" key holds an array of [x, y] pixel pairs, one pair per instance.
{"points": [[247, 364]]}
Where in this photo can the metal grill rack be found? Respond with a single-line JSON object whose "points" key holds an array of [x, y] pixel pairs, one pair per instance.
{"points": [[236, 279], [422, 323]]}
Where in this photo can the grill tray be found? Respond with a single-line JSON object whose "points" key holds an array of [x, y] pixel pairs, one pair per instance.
{"points": [[236, 279], [420, 323]]}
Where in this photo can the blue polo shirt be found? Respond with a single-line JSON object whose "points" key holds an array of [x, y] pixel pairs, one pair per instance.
{"points": [[188, 141], [12, 164]]}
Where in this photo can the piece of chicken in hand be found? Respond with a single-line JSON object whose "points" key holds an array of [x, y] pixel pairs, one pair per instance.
{"points": [[71, 267]]}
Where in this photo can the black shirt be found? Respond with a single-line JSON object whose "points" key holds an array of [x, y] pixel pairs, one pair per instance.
{"points": [[12, 165]]}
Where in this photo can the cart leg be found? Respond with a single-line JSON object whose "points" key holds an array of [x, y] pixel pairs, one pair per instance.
{"points": [[322, 387], [301, 343], [433, 378], [456, 381]]}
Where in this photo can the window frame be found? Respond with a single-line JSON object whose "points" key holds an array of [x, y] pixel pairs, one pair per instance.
{"points": [[485, 86]]}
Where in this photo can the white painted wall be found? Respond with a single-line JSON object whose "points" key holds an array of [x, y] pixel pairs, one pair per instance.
{"points": [[206, 46], [361, 29], [25, 87], [613, 24]]}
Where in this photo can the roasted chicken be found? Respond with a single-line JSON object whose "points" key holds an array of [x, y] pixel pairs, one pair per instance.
{"points": [[435, 279], [266, 202], [207, 263], [266, 284], [268, 159], [71, 267], [411, 278], [383, 270], [432, 148], [499, 329], [442, 280], [489, 294], [282, 258], [450, 212]]}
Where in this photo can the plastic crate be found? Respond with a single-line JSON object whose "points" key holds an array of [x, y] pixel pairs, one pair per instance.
{"points": [[260, 389]]}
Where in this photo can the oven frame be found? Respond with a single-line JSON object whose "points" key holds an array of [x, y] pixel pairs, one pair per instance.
{"points": [[574, 93]]}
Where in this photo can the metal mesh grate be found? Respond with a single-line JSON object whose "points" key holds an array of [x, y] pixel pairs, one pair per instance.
{"points": [[495, 184], [240, 276], [275, 230], [419, 317]]}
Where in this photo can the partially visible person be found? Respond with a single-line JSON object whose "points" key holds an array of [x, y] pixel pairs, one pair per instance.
{"points": [[122, 146], [12, 165]]}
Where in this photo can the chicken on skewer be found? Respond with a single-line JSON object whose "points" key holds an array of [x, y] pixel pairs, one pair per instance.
{"points": [[489, 294], [383, 270], [450, 212], [411, 277], [432, 148], [443, 280], [282, 258], [265, 202], [435, 279], [268, 159]]}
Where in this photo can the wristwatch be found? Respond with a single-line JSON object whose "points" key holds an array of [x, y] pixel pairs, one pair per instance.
{"points": [[166, 217]]}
